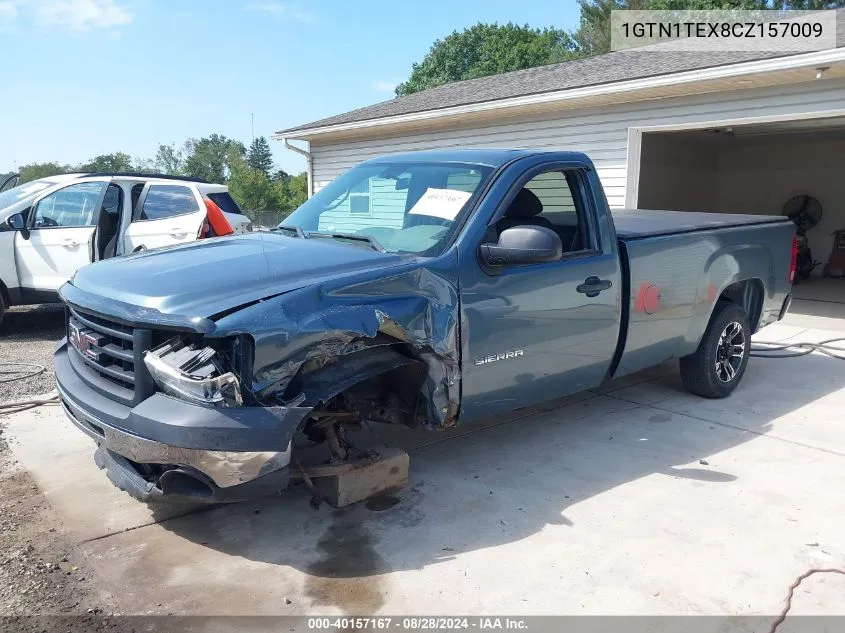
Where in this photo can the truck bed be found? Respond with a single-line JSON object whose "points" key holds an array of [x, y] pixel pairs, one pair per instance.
{"points": [[678, 263], [632, 224]]}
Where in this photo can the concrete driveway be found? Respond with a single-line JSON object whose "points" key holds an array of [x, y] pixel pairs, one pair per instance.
{"points": [[635, 499]]}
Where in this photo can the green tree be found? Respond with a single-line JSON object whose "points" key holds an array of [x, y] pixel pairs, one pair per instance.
{"points": [[260, 156], [143, 166], [212, 157], [298, 188], [170, 160], [487, 49], [290, 192], [808, 5], [251, 188], [34, 171], [119, 161]]}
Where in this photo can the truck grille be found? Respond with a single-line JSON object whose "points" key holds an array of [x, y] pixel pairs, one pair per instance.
{"points": [[108, 356]]}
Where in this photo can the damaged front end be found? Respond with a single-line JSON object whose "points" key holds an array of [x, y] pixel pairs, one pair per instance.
{"points": [[215, 403], [384, 373], [196, 374], [381, 350]]}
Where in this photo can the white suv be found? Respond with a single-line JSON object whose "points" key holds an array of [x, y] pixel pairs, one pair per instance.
{"points": [[49, 228]]}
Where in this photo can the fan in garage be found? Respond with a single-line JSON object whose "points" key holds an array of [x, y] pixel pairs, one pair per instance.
{"points": [[806, 212]]}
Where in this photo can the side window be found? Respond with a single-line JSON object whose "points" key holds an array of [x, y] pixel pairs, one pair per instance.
{"points": [[165, 201], [551, 200], [359, 198], [73, 206]]}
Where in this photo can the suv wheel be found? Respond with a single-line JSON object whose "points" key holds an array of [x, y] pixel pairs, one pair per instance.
{"points": [[717, 366]]}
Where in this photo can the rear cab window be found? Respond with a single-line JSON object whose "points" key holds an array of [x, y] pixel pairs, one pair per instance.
{"points": [[167, 201]]}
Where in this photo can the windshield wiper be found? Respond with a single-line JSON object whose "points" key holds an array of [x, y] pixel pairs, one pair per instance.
{"points": [[351, 236], [295, 229]]}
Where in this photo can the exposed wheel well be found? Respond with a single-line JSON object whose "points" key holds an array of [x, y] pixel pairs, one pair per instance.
{"points": [[749, 295]]}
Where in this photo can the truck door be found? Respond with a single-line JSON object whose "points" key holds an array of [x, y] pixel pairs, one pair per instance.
{"points": [[166, 214], [535, 332], [59, 238]]}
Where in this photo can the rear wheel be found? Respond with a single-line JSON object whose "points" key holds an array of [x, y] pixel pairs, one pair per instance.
{"points": [[717, 366], [2, 308]]}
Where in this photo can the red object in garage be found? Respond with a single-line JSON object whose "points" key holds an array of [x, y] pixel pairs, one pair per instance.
{"points": [[835, 266]]}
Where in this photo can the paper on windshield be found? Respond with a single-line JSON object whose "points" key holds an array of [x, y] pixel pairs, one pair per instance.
{"points": [[440, 203]]}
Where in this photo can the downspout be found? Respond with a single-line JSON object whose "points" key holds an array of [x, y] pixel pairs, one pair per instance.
{"points": [[309, 164]]}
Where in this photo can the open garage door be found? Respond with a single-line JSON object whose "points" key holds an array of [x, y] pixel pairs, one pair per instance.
{"points": [[756, 168]]}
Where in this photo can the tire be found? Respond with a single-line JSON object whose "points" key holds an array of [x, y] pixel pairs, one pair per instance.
{"points": [[2, 308], [717, 366]]}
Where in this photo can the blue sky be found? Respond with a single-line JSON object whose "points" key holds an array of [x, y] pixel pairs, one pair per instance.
{"points": [[88, 77]]}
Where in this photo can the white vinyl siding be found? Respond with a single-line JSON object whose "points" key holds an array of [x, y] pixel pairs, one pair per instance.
{"points": [[602, 133], [553, 191], [387, 208], [466, 182]]}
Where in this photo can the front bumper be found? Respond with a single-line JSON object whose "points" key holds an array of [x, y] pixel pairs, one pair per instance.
{"points": [[168, 449]]}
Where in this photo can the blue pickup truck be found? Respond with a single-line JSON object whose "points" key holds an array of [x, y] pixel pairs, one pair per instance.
{"points": [[422, 289]]}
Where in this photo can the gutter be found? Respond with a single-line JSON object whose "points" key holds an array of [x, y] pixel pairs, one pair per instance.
{"points": [[812, 60], [309, 161]]}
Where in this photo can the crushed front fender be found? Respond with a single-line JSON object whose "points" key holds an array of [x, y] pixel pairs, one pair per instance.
{"points": [[414, 303]]}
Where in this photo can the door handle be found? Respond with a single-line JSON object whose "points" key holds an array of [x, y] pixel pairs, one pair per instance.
{"points": [[592, 286], [178, 232], [69, 243]]}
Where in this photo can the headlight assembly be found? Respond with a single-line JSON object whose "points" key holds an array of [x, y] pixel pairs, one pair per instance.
{"points": [[193, 373]]}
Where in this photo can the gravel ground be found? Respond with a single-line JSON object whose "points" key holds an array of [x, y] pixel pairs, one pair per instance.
{"points": [[29, 335], [41, 574]]}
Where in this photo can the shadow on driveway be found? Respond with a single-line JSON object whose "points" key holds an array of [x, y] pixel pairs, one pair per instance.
{"points": [[506, 480]]}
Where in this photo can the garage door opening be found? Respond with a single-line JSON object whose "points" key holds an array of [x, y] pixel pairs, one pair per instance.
{"points": [[757, 169]]}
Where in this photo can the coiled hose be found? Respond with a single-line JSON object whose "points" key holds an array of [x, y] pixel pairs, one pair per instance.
{"points": [[768, 349], [10, 372], [31, 370]]}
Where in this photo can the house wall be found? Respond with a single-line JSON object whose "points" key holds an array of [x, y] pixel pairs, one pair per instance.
{"points": [[600, 132], [386, 206]]}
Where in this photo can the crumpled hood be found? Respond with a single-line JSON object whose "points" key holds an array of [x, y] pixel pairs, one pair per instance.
{"points": [[210, 276]]}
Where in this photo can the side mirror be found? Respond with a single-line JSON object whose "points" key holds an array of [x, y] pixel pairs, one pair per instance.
{"points": [[523, 245], [16, 222]]}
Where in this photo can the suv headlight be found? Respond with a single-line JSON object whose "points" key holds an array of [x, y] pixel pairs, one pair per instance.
{"points": [[193, 373]]}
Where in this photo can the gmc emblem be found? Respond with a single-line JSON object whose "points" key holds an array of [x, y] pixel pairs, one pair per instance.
{"points": [[83, 342]]}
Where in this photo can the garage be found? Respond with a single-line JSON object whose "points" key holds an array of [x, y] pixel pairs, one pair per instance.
{"points": [[773, 168]]}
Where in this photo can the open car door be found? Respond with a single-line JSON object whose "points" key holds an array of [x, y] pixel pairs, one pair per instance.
{"points": [[11, 181], [59, 237]]}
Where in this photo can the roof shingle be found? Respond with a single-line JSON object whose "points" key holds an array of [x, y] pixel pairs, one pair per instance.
{"points": [[578, 73]]}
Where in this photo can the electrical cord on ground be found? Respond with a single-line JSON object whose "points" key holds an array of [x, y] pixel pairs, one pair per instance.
{"points": [[16, 406], [767, 349], [788, 603], [32, 370]]}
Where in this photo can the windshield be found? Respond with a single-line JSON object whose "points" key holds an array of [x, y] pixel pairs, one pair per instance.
{"points": [[401, 207], [16, 194]]}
